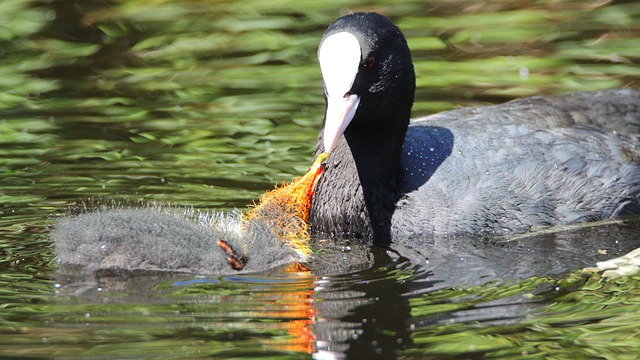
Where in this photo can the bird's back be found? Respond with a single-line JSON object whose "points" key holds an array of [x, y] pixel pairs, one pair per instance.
{"points": [[531, 162]]}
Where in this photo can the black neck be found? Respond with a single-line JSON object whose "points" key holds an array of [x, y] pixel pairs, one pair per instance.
{"points": [[356, 195]]}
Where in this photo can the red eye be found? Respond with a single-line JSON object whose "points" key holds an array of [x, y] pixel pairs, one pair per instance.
{"points": [[369, 62]]}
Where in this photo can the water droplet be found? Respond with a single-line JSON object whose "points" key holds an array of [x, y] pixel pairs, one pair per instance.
{"points": [[50, 15]]}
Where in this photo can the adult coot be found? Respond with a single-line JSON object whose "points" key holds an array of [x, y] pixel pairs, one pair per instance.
{"points": [[538, 161]]}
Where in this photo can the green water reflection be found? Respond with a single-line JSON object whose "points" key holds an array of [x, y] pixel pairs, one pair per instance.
{"points": [[208, 104]]}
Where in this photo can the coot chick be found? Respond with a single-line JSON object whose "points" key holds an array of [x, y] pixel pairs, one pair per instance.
{"points": [[168, 239], [272, 233], [538, 161]]}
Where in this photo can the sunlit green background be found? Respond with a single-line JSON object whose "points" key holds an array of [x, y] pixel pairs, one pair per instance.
{"points": [[210, 103]]}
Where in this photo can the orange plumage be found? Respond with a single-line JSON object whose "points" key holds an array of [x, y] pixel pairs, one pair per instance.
{"points": [[286, 208]]}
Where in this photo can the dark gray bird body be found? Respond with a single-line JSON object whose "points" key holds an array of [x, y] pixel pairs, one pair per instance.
{"points": [[532, 162]]}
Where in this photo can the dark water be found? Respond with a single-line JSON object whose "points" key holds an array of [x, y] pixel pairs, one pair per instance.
{"points": [[208, 104]]}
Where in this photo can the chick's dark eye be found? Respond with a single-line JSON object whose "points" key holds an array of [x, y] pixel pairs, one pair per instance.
{"points": [[369, 62]]}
